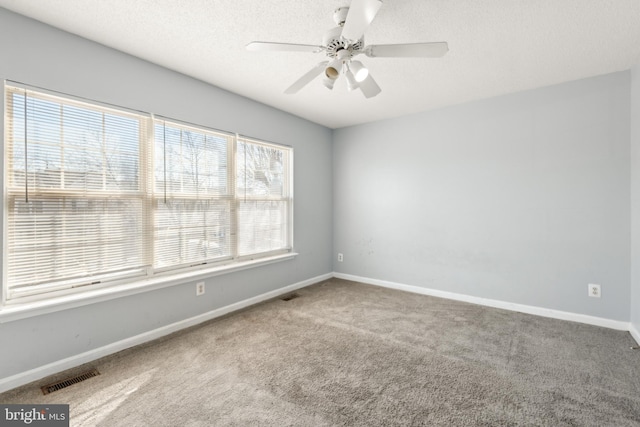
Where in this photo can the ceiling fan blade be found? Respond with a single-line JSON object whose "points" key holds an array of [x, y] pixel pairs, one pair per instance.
{"points": [[360, 15], [410, 50], [369, 87], [279, 47], [306, 78]]}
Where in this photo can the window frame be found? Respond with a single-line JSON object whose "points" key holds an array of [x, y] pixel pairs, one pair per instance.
{"points": [[229, 196], [287, 197], [153, 276]]}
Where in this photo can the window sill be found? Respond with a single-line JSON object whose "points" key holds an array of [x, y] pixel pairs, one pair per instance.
{"points": [[17, 311]]}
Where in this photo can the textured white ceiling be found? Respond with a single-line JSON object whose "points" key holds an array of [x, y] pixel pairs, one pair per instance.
{"points": [[495, 46]]}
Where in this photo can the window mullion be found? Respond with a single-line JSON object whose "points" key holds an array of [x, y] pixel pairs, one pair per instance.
{"points": [[62, 151], [234, 203], [147, 188], [26, 151]]}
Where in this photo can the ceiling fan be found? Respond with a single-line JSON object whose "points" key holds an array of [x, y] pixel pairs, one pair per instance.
{"points": [[344, 42]]}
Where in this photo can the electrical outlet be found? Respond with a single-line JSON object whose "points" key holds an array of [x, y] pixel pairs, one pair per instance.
{"points": [[199, 288], [340, 258], [594, 290]]}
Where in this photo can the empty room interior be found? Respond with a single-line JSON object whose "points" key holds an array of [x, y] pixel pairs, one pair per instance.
{"points": [[341, 212]]}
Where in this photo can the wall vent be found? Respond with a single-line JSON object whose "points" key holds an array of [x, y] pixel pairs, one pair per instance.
{"points": [[290, 297], [69, 381]]}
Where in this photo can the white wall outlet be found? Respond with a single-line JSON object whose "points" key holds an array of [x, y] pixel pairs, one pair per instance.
{"points": [[340, 258], [594, 290], [199, 288]]}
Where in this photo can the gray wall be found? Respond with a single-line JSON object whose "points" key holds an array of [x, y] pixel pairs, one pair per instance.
{"points": [[522, 198], [40, 55], [635, 197]]}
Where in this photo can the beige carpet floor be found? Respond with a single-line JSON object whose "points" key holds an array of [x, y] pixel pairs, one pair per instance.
{"points": [[349, 354]]}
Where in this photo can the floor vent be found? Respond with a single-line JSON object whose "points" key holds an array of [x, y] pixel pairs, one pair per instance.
{"points": [[290, 297], [69, 381]]}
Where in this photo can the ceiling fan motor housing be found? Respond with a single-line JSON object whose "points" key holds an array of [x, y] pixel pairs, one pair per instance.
{"points": [[334, 42], [340, 15]]}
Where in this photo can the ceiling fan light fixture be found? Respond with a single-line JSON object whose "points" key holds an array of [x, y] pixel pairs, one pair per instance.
{"points": [[352, 84], [328, 83], [331, 73], [360, 72], [333, 69]]}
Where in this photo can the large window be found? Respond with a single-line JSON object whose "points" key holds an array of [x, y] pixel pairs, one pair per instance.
{"points": [[97, 196]]}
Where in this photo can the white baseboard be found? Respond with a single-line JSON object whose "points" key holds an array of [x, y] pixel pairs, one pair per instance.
{"points": [[23, 378], [634, 333], [538, 311]]}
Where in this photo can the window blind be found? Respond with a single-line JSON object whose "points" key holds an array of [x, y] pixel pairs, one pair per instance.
{"points": [[98, 195], [194, 192], [263, 197], [75, 194]]}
